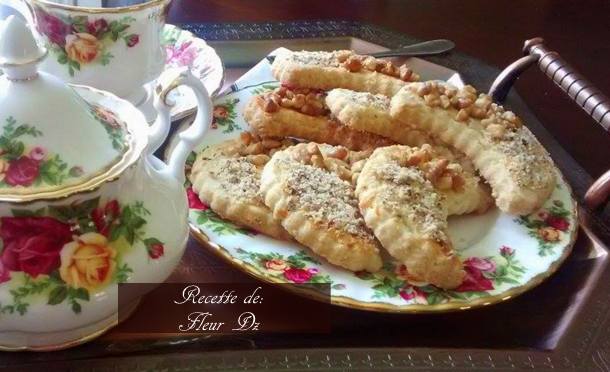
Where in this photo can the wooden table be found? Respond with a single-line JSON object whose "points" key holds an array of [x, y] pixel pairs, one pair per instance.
{"points": [[491, 31]]}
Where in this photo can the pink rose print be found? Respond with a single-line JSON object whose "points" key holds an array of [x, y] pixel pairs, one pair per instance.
{"points": [[32, 244], [22, 171], [506, 251], [104, 218], [298, 275], [557, 222], [182, 55], [156, 250], [474, 279], [194, 201], [38, 153], [132, 40], [482, 264], [413, 293], [98, 27], [53, 27]]}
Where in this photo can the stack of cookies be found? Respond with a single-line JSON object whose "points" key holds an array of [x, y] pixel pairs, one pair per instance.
{"points": [[352, 156]]}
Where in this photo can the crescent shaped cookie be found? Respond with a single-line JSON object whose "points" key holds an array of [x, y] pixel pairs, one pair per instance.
{"points": [[406, 214], [318, 207], [290, 113], [340, 69], [371, 113], [519, 170], [227, 178]]}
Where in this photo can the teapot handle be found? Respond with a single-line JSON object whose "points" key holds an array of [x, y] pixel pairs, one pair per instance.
{"points": [[189, 138], [22, 7]]}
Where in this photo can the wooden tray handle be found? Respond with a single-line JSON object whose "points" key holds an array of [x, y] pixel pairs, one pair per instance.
{"points": [[592, 100]]}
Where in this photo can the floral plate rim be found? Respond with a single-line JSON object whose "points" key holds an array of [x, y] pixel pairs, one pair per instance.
{"points": [[385, 307]]}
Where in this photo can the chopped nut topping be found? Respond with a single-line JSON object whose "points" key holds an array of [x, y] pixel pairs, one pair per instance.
{"points": [[468, 104], [236, 177], [405, 73], [462, 115], [270, 106], [258, 160], [306, 101], [353, 63], [245, 137], [338, 153], [255, 145], [324, 197], [408, 184], [436, 169]]}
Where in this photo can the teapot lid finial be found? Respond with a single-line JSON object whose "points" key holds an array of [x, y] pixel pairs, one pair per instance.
{"points": [[19, 52]]}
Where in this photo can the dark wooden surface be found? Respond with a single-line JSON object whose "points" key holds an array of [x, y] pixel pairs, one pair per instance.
{"points": [[492, 31]]}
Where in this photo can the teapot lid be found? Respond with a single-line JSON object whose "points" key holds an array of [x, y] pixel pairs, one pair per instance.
{"points": [[51, 139]]}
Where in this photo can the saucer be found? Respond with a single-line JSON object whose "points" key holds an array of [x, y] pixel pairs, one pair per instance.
{"points": [[185, 49]]}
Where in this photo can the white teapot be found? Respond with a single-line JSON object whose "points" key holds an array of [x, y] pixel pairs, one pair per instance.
{"points": [[84, 203]]}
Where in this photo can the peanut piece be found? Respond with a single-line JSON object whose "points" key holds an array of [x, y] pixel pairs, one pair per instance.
{"points": [[458, 182], [437, 169], [462, 115], [496, 131], [255, 148], [405, 73], [463, 103], [270, 106], [370, 63], [258, 160], [444, 183], [245, 138], [269, 143], [338, 153], [353, 64], [318, 161]]}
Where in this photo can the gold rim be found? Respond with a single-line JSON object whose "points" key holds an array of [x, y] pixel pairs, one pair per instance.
{"points": [[348, 302], [43, 53], [93, 10], [137, 140], [79, 341]]}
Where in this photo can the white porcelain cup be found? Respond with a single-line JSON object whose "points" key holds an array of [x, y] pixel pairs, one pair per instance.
{"points": [[117, 49]]}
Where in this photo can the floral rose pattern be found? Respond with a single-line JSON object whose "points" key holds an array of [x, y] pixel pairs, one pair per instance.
{"points": [[224, 116], [70, 251], [87, 262], [81, 40], [20, 166], [114, 127], [295, 268], [482, 274], [206, 217], [32, 244], [548, 226], [179, 52]]}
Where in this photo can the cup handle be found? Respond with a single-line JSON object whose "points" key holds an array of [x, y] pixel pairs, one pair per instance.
{"points": [[189, 138]]}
